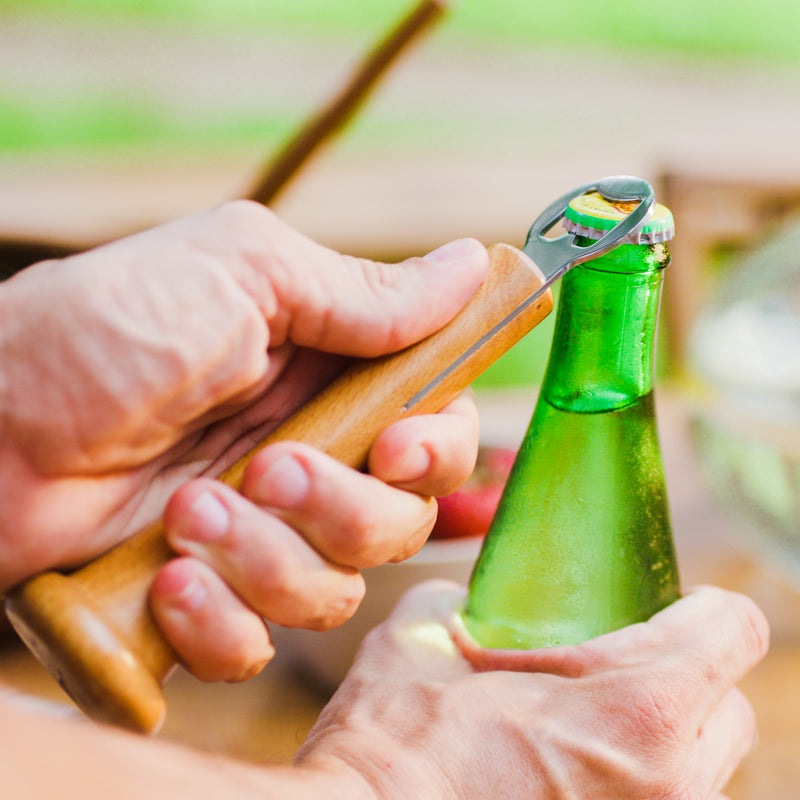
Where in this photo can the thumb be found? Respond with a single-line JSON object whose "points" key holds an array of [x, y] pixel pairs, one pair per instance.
{"points": [[416, 637], [317, 298]]}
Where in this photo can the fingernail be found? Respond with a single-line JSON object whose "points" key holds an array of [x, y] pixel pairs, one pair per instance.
{"points": [[455, 251], [415, 464], [191, 596], [209, 520], [285, 485]]}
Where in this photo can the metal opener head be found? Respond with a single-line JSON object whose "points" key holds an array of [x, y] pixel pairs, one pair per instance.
{"points": [[556, 255]]}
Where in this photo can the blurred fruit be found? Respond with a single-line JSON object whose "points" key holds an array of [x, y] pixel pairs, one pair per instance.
{"points": [[469, 510]]}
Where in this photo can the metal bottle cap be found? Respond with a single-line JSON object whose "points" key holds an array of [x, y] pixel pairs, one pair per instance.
{"points": [[591, 215]]}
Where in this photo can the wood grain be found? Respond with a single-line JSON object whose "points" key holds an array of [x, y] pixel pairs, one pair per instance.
{"points": [[93, 629]]}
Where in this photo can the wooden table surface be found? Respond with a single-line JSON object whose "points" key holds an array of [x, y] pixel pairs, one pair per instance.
{"points": [[265, 719]]}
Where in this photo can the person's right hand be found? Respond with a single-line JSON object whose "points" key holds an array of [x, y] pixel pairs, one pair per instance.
{"points": [[133, 374], [650, 711]]}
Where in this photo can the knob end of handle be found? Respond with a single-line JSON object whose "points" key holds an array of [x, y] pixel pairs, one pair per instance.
{"points": [[84, 653]]}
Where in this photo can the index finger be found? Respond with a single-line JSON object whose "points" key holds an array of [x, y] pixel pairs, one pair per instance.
{"points": [[431, 454], [711, 638], [708, 640]]}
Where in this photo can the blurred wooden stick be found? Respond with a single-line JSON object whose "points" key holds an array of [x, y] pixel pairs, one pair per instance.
{"points": [[335, 114], [16, 255]]}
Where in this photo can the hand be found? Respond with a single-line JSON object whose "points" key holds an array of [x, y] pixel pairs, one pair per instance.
{"points": [[135, 367], [646, 712]]}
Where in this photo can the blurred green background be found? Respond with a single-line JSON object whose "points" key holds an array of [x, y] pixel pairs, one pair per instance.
{"points": [[765, 29], [74, 116], [99, 79]]}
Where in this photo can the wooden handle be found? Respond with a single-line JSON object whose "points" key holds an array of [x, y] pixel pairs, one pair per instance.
{"points": [[93, 629]]}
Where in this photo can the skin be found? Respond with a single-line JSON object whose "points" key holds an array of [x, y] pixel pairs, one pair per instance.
{"points": [[132, 374], [647, 712], [650, 711], [135, 372]]}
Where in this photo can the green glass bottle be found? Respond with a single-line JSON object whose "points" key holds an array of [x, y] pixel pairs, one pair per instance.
{"points": [[581, 543]]}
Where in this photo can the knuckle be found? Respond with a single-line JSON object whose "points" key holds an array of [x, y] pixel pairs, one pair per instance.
{"points": [[363, 542], [336, 610], [747, 714], [242, 662], [668, 780], [232, 657], [281, 582], [376, 535], [249, 670], [245, 213], [416, 538], [755, 628], [654, 712], [678, 789], [291, 595]]}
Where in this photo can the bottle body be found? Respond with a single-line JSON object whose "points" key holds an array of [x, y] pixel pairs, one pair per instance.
{"points": [[581, 543]]}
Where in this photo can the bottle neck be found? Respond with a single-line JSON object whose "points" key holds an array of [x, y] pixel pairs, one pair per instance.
{"points": [[602, 357]]}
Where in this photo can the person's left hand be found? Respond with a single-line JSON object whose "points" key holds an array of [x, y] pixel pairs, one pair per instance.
{"points": [[129, 370], [648, 711]]}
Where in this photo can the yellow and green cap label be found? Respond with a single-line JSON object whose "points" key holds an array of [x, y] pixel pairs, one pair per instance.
{"points": [[591, 215]]}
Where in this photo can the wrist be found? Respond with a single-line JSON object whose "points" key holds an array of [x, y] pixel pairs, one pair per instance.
{"points": [[374, 767], [335, 778]]}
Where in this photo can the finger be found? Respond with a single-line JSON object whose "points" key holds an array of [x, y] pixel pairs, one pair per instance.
{"points": [[727, 736], [416, 635], [429, 454], [272, 568], [304, 374], [215, 635], [687, 656], [710, 637], [721, 634], [318, 298], [351, 518], [718, 635]]}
